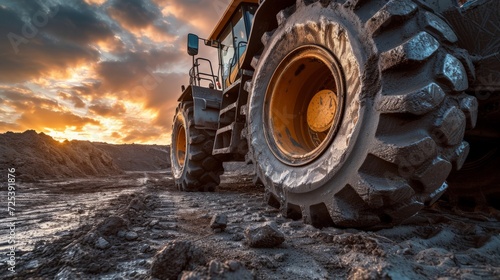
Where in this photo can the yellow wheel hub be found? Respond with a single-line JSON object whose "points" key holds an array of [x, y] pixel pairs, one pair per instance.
{"points": [[321, 111]]}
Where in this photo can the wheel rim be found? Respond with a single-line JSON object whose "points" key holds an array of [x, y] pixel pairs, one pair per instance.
{"points": [[304, 104], [180, 146]]}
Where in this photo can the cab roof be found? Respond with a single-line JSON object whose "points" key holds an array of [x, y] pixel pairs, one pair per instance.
{"points": [[227, 17]]}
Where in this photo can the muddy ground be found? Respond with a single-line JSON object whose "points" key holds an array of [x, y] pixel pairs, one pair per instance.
{"points": [[117, 227]]}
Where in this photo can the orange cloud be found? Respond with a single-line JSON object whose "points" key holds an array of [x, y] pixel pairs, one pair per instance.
{"points": [[201, 15], [42, 119], [145, 135], [95, 2], [77, 101], [21, 99], [116, 135], [5, 126], [106, 110]]}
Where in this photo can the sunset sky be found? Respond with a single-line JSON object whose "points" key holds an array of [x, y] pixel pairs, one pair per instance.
{"points": [[98, 70]]}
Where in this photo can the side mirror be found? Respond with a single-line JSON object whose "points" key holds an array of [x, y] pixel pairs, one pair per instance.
{"points": [[192, 44]]}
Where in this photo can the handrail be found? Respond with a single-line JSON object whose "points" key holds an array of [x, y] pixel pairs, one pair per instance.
{"points": [[196, 76]]}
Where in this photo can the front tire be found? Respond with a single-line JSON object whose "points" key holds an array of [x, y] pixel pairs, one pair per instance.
{"points": [[193, 166], [395, 122]]}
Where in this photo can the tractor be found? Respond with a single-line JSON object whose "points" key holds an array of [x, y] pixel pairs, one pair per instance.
{"points": [[354, 113]]}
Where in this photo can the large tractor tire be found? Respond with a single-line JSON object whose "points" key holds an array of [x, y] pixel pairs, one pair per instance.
{"points": [[193, 166], [357, 112]]}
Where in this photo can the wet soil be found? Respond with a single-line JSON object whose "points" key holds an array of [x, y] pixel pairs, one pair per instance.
{"points": [[115, 227]]}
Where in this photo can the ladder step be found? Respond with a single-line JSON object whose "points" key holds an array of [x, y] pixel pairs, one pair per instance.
{"points": [[225, 129], [230, 107], [221, 151], [227, 138]]}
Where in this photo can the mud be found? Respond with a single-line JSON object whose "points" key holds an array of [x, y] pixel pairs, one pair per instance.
{"points": [[131, 226]]}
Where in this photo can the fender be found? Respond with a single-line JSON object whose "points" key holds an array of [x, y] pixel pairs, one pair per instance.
{"points": [[207, 104]]}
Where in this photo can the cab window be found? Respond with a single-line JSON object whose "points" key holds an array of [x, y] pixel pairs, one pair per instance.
{"points": [[234, 42], [227, 53]]}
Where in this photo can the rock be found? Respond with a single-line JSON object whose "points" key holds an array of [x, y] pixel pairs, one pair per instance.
{"points": [[215, 267], [264, 236], [131, 235], [90, 238], [234, 265], [112, 225], [265, 261], [360, 273], [102, 243], [32, 265], [219, 221], [170, 261], [237, 237], [191, 275], [137, 204], [294, 224], [280, 257], [121, 233], [229, 270], [144, 248]]}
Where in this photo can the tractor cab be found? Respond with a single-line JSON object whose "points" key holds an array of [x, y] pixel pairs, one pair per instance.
{"points": [[230, 37], [233, 40]]}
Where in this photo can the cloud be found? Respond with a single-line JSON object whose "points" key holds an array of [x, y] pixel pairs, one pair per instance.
{"points": [[201, 15], [40, 52], [22, 99], [78, 24], [95, 2], [143, 135], [134, 13], [116, 135], [137, 69], [77, 101], [86, 88], [106, 110], [40, 113], [143, 18], [165, 117], [41, 119], [5, 126]]}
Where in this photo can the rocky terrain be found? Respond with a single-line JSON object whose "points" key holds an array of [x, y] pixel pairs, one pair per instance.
{"points": [[139, 226], [88, 219]]}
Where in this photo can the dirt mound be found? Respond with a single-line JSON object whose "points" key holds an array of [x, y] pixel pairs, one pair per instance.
{"points": [[40, 157], [136, 157]]}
